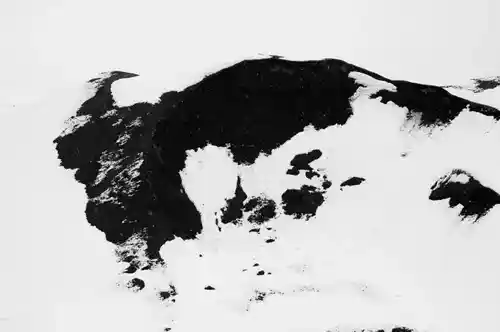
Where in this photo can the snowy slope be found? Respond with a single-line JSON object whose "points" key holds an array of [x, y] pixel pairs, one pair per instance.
{"points": [[163, 177], [484, 90]]}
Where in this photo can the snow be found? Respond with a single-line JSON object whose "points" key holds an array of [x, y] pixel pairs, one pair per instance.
{"points": [[143, 88], [489, 97], [370, 84], [64, 279]]}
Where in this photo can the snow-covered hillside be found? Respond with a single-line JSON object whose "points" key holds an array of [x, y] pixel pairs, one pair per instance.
{"points": [[296, 196]]}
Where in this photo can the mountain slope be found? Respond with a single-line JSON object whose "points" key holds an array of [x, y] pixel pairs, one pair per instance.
{"points": [[263, 116], [253, 106]]}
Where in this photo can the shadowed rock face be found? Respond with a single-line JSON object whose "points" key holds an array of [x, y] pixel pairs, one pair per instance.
{"points": [[462, 188], [303, 202], [168, 294], [129, 158], [354, 181], [301, 162], [136, 284]]}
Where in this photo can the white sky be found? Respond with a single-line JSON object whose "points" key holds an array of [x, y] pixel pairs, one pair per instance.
{"points": [[49, 48], [48, 44]]}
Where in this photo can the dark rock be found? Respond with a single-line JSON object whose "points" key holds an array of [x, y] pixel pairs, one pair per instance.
{"points": [[168, 294], [233, 211], [132, 268], [482, 84], [252, 108], [477, 200], [259, 296], [402, 329], [311, 174], [354, 181], [265, 210], [326, 184], [136, 284], [431, 105]]}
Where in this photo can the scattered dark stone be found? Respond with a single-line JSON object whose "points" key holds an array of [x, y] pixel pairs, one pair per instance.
{"points": [[486, 84], [265, 211], [260, 273], [302, 202], [200, 255], [254, 230], [209, 288], [354, 181], [259, 296], [402, 329], [256, 264], [167, 329], [136, 284], [476, 199], [326, 184], [164, 295], [131, 268], [270, 240], [431, 105], [311, 174]]}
